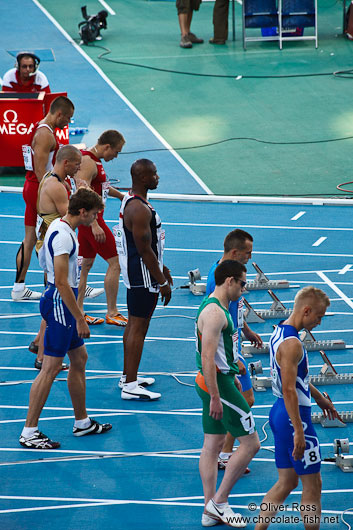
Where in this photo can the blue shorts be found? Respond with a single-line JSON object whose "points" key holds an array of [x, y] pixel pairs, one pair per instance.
{"points": [[245, 380], [61, 332], [141, 302], [283, 433]]}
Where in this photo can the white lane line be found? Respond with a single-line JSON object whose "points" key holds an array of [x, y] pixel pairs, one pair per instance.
{"points": [[335, 288], [250, 494], [319, 241], [19, 315], [107, 7], [223, 225], [260, 227], [124, 98], [219, 251], [262, 253], [298, 216], [346, 268]]}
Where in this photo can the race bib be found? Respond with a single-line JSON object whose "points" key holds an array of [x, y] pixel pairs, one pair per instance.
{"points": [[105, 191], [235, 339], [79, 267], [39, 225], [248, 422], [27, 157], [312, 456], [119, 240]]}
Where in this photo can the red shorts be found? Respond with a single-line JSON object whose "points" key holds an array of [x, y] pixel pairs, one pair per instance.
{"points": [[89, 247], [30, 194]]}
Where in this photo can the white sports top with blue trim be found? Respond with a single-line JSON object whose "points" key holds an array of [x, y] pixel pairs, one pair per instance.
{"points": [[60, 239], [134, 271], [282, 333]]}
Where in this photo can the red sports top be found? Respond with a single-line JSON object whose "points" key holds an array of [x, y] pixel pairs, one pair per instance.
{"points": [[99, 184], [37, 83], [30, 175]]}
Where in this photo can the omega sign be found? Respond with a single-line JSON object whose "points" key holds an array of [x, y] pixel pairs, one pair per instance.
{"points": [[11, 125]]}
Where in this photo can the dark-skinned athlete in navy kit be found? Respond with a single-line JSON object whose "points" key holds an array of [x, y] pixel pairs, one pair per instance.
{"points": [[140, 243]]}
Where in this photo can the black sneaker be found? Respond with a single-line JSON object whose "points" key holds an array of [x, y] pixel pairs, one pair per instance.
{"points": [[94, 428], [38, 440]]}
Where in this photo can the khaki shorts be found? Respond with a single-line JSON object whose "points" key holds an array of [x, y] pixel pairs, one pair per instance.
{"points": [[237, 417], [185, 6]]}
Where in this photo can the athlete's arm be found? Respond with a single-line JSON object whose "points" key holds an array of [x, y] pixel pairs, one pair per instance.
{"points": [[288, 356], [211, 321], [61, 270], [325, 404], [58, 195], [43, 144], [139, 217], [87, 171], [113, 192], [253, 337]]}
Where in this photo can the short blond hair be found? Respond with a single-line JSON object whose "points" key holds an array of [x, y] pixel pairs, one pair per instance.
{"points": [[311, 295]]}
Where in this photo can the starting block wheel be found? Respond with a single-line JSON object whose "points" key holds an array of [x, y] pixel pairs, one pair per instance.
{"points": [[262, 282]]}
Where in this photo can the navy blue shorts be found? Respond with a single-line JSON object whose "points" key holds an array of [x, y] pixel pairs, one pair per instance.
{"points": [[140, 302], [61, 332], [283, 433]]}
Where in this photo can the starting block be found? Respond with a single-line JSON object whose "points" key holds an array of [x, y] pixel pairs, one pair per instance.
{"points": [[327, 376], [341, 447], [319, 417], [277, 310], [310, 344], [198, 289], [262, 282]]}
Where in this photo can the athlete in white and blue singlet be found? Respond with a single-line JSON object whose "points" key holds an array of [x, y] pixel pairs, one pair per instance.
{"points": [[66, 325], [297, 451]]}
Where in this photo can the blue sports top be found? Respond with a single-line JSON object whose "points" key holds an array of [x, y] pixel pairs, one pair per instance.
{"points": [[281, 333]]}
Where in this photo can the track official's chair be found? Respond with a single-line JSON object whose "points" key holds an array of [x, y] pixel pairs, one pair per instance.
{"points": [[297, 14], [259, 14]]}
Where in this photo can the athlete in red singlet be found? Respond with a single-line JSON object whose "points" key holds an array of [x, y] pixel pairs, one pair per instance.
{"points": [[39, 158], [97, 238]]}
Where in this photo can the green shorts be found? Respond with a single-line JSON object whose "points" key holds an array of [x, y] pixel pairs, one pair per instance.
{"points": [[237, 417], [185, 6]]}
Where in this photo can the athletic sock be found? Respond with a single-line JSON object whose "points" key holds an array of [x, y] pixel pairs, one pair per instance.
{"points": [[27, 432], [18, 286], [123, 378], [130, 386], [82, 424], [225, 456]]}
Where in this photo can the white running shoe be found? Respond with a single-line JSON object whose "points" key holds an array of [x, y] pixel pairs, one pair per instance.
{"points": [[142, 381], [225, 515], [206, 520], [25, 294], [92, 292], [139, 392]]}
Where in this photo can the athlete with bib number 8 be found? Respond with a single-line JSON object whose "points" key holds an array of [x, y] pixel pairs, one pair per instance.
{"points": [[297, 450]]}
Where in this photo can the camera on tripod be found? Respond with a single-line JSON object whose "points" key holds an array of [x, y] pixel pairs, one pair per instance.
{"points": [[89, 29]]}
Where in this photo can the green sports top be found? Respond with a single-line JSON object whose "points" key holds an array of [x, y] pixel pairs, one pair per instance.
{"points": [[224, 357]]}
